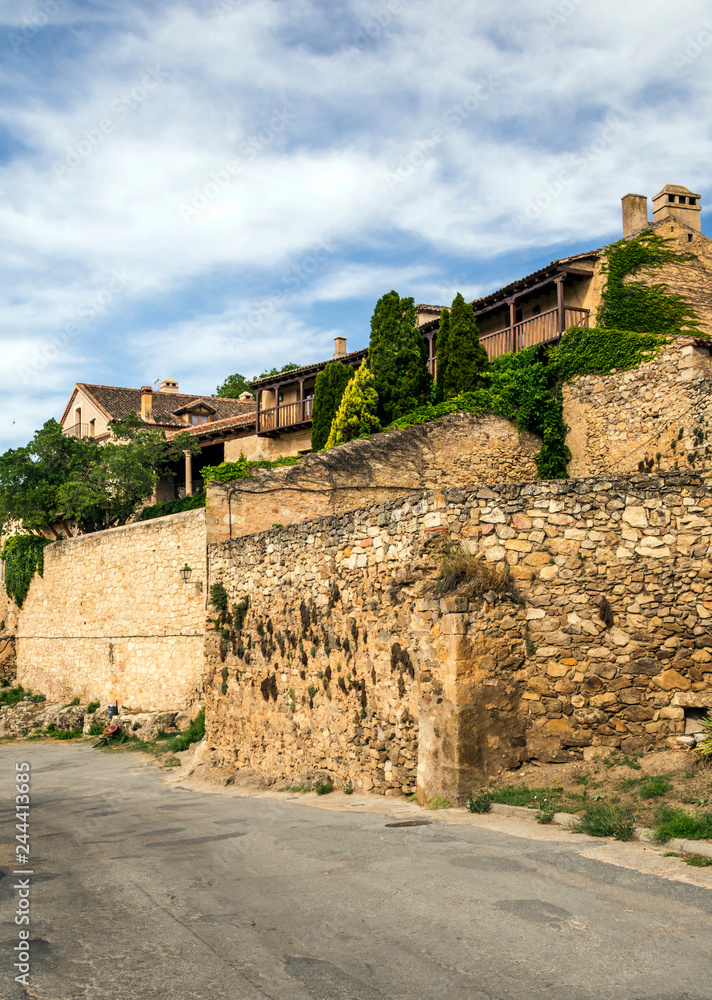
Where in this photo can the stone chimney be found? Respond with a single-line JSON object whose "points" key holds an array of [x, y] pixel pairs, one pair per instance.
{"points": [[168, 385], [246, 397], [679, 203], [635, 213], [147, 403], [339, 348]]}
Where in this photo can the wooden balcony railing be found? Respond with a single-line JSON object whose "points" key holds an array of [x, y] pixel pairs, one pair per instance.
{"points": [[540, 329], [285, 415]]}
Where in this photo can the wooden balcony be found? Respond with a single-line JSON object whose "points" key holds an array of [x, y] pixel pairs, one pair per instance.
{"points": [[284, 416], [541, 329], [79, 431]]}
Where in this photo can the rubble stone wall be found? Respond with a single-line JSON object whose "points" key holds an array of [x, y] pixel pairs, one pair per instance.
{"points": [[350, 665], [459, 450], [616, 421], [112, 618]]}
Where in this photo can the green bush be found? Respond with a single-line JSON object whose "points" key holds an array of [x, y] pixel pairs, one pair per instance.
{"points": [[439, 802], [63, 734], [218, 597], [480, 803], [173, 506], [228, 472], [92, 706], [11, 696], [37, 698], [96, 729], [607, 819], [678, 823], [194, 733], [324, 788]]}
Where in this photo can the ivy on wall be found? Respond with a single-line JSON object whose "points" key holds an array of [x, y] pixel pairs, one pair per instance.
{"points": [[24, 556], [638, 305], [228, 472], [173, 506]]}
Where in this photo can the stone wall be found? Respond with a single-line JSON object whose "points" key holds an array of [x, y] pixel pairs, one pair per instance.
{"points": [[459, 450], [112, 618], [349, 665], [616, 421]]}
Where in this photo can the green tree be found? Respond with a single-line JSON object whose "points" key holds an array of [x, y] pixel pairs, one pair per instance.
{"points": [[398, 357], [233, 387], [464, 357], [641, 306], [289, 367], [357, 414], [442, 344], [328, 392]]}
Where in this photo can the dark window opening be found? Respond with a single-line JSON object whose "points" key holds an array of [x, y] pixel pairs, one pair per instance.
{"points": [[692, 201], [536, 311], [689, 237], [693, 723], [682, 199], [518, 316], [671, 197]]}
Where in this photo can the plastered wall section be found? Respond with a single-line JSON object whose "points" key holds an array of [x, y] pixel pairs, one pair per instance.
{"points": [[111, 617], [459, 450], [351, 665], [653, 413]]}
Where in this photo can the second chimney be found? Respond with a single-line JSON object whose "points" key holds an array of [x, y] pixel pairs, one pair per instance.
{"points": [[635, 213], [339, 348], [147, 403]]}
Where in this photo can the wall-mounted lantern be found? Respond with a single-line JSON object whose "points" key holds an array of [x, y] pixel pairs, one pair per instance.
{"points": [[185, 572]]}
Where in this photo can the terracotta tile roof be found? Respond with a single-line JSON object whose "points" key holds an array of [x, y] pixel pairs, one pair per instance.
{"points": [[313, 369], [118, 403], [217, 426]]}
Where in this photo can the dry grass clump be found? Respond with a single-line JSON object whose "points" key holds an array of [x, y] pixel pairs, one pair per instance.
{"points": [[472, 577]]}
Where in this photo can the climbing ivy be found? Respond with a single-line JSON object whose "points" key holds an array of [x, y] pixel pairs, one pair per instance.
{"points": [[24, 556], [639, 305], [228, 472]]}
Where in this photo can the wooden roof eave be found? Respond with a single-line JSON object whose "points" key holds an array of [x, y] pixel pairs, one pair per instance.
{"points": [[520, 289]]}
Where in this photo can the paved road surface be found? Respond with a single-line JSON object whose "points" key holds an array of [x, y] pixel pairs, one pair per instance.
{"points": [[143, 891]]}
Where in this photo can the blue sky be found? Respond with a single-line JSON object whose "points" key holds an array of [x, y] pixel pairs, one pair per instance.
{"points": [[190, 189]]}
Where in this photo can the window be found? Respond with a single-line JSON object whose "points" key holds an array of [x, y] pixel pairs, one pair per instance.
{"points": [[689, 237], [92, 428], [536, 310], [682, 199], [671, 197], [280, 396], [199, 418], [518, 316]]}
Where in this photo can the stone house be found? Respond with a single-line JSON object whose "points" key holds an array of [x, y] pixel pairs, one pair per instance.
{"points": [[220, 425], [535, 309]]}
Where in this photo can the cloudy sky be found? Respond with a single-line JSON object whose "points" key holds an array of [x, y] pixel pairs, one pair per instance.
{"points": [[201, 187]]}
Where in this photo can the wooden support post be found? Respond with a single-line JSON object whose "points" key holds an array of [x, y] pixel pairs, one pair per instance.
{"points": [[188, 473], [258, 393], [559, 279], [512, 324]]}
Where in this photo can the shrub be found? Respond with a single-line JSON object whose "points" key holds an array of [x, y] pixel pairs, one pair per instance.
{"points": [[356, 416], [11, 696], [704, 749], [324, 787], [63, 734], [348, 787], [480, 803], [194, 733], [218, 597], [92, 706], [607, 819], [173, 506], [328, 392], [96, 729], [678, 823], [37, 698], [439, 802]]}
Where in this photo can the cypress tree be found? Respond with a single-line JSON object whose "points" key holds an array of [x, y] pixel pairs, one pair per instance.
{"points": [[442, 345], [328, 391], [356, 415], [466, 358], [398, 357]]}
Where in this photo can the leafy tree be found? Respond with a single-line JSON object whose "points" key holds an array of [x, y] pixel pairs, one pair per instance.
{"points": [[233, 387], [56, 478], [289, 367], [465, 359], [398, 357], [31, 476], [357, 414], [641, 306], [443, 353], [328, 392]]}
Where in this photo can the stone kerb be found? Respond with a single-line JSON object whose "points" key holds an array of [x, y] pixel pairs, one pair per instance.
{"points": [[112, 618], [459, 450], [491, 685]]}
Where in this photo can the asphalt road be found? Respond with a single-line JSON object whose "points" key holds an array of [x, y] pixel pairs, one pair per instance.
{"points": [[142, 891]]}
